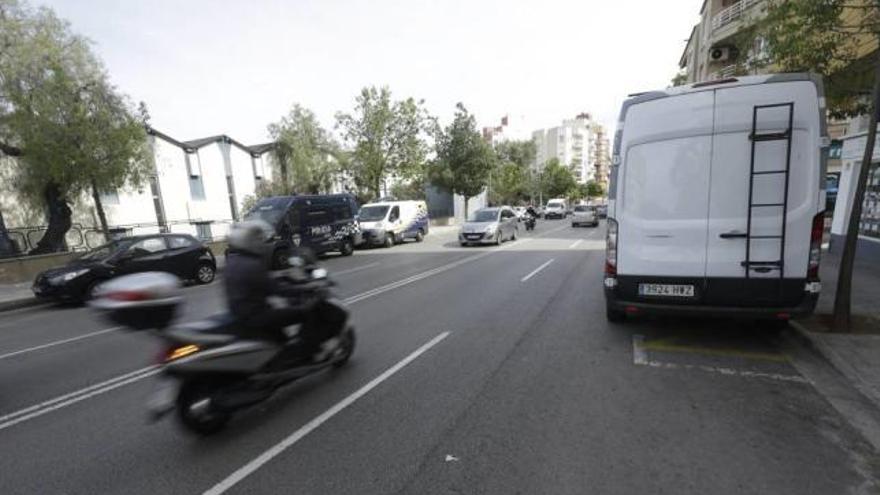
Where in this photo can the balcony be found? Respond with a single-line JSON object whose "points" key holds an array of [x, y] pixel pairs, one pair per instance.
{"points": [[723, 73], [730, 14]]}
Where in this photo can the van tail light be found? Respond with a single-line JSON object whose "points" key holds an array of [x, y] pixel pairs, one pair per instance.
{"points": [[611, 249], [816, 246]]}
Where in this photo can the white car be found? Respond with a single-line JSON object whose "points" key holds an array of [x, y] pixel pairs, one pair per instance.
{"points": [[520, 212], [584, 215], [555, 209]]}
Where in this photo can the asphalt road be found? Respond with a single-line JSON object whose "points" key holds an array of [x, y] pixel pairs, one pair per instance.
{"points": [[479, 370]]}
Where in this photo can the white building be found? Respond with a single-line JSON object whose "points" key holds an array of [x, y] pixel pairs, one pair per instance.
{"points": [[573, 144], [197, 188]]}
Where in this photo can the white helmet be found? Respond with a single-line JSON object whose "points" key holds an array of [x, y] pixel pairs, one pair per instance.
{"points": [[250, 236]]}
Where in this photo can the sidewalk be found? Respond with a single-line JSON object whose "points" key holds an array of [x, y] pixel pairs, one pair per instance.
{"points": [[855, 354], [13, 296]]}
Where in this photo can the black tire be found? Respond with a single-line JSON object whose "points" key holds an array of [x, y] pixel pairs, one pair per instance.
{"points": [[420, 236], [464, 244], [205, 273], [348, 344], [389, 240], [346, 248], [89, 292], [614, 315], [206, 422]]}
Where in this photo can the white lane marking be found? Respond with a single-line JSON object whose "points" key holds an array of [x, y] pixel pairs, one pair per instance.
{"points": [[255, 464], [58, 342], [355, 269], [640, 358], [48, 406], [536, 270], [575, 244]]}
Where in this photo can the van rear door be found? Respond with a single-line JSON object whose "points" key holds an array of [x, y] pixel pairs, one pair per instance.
{"points": [[663, 208], [729, 190]]}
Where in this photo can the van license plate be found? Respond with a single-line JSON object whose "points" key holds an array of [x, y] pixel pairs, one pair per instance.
{"points": [[666, 290]]}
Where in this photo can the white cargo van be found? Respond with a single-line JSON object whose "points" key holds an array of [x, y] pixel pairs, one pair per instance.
{"points": [[556, 208], [716, 199], [389, 222]]}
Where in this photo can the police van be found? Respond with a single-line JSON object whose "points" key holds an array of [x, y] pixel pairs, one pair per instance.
{"points": [[389, 222], [716, 199], [322, 223]]}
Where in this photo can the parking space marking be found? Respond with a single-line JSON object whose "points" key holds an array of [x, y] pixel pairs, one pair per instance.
{"points": [[536, 270], [640, 358]]}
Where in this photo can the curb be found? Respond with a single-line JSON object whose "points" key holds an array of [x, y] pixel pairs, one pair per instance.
{"points": [[25, 302], [837, 362]]}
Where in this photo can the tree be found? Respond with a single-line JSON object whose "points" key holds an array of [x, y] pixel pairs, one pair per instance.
{"points": [[464, 159], [557, 181], [304, 152], [409, 190], [69, 129], [521, 153], [510, 183], [830, 38], [388, 138], [265, 189], [594, 189]]}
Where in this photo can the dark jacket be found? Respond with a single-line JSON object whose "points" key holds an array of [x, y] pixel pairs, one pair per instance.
{"points": [[248, 284]]}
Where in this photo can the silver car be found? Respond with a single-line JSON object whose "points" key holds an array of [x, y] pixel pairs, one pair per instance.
{"points": [[584, 215], [489, 226]]}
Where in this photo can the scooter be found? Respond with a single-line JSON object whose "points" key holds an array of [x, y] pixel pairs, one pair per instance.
{"points": [[530, 222], [208, 371]]}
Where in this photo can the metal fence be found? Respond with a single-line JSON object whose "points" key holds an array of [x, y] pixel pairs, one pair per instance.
{"points": [[85, 238]]}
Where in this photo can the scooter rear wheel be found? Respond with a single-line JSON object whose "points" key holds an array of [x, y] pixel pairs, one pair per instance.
{"points": [[195, 410], [346, 348]]}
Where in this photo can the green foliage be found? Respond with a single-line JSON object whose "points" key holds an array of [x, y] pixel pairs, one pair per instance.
{"points": [[521, 153], [557, 181], [680, 79], [69, 128], [827, 38], [464, 159], [388, 138], [304, 153], [594, 189], [264, 189], [510, 184], [409, 190]]}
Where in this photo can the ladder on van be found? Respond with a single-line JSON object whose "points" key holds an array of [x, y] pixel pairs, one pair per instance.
{"points": [[763, 266]]}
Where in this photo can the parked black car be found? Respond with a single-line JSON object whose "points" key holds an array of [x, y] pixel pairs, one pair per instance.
{"points": [[179, 254], [321, 223]]}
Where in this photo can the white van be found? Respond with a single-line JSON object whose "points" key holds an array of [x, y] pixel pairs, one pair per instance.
{"points": [[716, 199], [556, 208], [389, 222]]}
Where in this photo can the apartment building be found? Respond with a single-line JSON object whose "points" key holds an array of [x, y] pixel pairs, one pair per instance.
{"points": [[573, 143], [601, 154]]}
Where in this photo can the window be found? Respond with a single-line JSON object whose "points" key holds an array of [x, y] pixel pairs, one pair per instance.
{"points": [[394, 215], [293, 218], [147, 246], [341, 213], [193, 164], [110, 197], [196, 188], [179, 242], [203, 231], [318, 215]]}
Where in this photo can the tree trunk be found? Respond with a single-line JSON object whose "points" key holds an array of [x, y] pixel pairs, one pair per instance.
{"points": [[465, 208], [59, 221], [6, 246], [99, 206], [843, 297]]}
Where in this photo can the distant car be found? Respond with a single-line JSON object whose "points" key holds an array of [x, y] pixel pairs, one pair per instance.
{"points": [[584, 215], [180, 254], [489, 226], [555, 209], [602, 211]]}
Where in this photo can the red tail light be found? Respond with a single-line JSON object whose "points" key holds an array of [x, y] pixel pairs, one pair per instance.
{"points": [[816, 233], [128, 296], [611, 248]]}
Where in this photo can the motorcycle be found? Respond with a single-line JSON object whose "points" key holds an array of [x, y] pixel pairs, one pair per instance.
{"points": [[207, 371], [530, 222]]}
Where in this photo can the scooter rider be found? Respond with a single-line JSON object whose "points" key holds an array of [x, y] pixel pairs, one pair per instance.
{"points": [[531, 211], [248, 285]]}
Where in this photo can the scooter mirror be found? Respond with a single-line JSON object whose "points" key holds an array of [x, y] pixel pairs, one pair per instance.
{"points": [[319, 273]]}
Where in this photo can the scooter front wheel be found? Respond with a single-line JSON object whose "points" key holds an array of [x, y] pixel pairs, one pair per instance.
{"points": [[196, 410], [346, 348]]}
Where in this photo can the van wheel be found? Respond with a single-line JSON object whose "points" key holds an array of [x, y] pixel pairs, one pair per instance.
{"points": [[420, 236], [389, 240], [346, 248], [614, 315]]}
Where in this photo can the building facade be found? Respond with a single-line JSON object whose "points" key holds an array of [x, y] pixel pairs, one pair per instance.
{"points": [[198, 187], [574, 144]]}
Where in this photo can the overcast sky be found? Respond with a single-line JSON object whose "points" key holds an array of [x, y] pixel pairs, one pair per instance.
{"points": [[209, 67]]}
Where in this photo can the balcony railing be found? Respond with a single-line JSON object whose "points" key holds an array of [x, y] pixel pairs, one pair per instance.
{"points": [[723, 73], [732, 13]]}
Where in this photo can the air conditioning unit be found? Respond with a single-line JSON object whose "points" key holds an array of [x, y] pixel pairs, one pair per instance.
{"points": [[722, 54]]}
